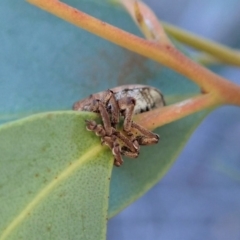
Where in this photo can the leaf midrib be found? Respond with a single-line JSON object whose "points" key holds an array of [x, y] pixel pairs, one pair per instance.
{"points": [[93, 151]]}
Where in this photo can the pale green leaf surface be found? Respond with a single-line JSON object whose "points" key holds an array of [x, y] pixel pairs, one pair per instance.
{"points": [[54, 179]]}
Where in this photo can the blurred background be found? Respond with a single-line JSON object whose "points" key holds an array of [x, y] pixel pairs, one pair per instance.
{"points": [[199, 198]]}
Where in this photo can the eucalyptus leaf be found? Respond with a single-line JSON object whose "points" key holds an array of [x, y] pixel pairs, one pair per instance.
{"points": [[54, 179]]}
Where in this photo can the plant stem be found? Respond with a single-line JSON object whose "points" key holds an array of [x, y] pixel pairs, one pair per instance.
{"points": [[162, 116], [221, 52], [152, 29], [146, 20]]}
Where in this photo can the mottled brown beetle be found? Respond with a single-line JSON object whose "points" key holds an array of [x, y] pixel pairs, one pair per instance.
{"points": [[123, 101]]}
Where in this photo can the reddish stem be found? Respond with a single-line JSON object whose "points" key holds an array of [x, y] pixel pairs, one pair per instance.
{"points": [[162, 116]]}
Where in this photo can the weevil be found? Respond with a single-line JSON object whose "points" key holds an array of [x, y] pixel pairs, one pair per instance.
{"points": [[123, 101]]}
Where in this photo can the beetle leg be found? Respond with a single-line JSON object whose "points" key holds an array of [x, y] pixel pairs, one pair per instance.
{"points": [[114, 109], [116, 151], [97, 128], [127, 153], [133, 146], [117, 142], [128, 148], [113, 144], [111, 104], [125, 147], [101, 106], [108, 141], [105, 118], [126, 106], [143, 136]]}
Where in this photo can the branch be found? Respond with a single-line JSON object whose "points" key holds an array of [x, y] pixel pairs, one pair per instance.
{"points": [[162, 53], [161, 116], [221, 52]]}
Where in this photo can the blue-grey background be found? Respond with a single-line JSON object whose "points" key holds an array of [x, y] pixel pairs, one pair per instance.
{"points": [[199, 198]]}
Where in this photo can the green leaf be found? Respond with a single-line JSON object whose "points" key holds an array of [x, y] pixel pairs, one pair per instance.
{"points": [[54, 179]]}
